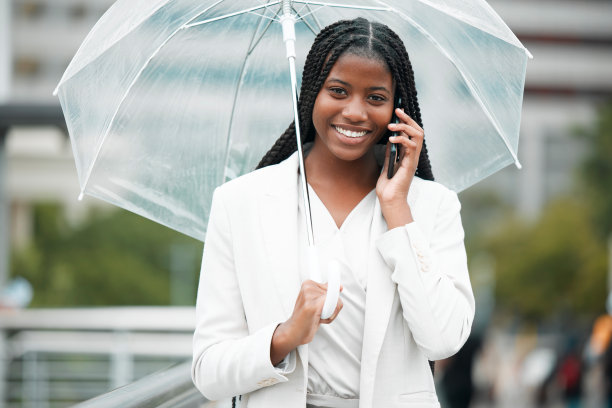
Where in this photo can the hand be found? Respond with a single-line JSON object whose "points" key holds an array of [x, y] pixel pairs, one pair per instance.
{"points": [[392, 193], [303, 324]]}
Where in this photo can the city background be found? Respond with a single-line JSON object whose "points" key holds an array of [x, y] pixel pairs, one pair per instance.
{"points": [[93, 297]]}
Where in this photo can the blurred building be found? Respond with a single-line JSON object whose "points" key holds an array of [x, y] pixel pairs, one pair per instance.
{"points": [[44, 36], [570, 74]]}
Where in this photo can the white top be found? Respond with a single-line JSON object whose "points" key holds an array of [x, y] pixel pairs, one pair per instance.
{"points": [[334, 355]]}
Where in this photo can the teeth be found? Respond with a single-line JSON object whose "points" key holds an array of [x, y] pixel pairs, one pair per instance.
{"points": [[350, 133]]}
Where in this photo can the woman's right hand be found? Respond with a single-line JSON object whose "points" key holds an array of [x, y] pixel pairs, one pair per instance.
{"points": [[303, 324]]}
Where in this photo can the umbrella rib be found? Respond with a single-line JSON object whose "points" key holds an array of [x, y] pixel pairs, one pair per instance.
{"points": [[301, 17], [262, 16], [263, 32], [468, 81], [223, 17], [314, 17], [129, 88], [351, 6], [238, 85]]}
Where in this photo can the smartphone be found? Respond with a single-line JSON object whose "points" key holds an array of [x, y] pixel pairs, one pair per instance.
{"points": [[394, 155]]}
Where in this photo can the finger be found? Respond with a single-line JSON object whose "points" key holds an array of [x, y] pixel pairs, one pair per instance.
{"points": [[406, 130], [339, 307], [408, 144], [404, 117]]}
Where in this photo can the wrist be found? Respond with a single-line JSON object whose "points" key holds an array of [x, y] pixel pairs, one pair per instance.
{"points": [[397, 214], [281, 344]]}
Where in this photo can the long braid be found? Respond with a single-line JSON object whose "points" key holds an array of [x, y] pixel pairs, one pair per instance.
{"points": [[361, 37], [424, 167], [286, 144]]}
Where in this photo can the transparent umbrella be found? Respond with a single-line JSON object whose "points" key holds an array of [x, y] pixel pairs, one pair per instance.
{"points": [[167, 99]]}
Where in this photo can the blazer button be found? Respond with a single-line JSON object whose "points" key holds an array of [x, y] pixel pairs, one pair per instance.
{"points": [[267, 382]]}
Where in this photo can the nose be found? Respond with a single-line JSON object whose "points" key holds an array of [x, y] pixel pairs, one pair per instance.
{"points": [[355, 110]]}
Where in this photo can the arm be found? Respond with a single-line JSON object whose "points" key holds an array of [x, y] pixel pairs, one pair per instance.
{"points": [[227, 359], [431, 274], [432, 280]]}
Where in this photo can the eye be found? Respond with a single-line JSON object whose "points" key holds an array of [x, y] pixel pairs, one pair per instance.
{"points": [[379, 99], [337, 91]]}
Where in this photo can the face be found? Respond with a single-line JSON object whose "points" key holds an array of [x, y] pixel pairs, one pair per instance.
{"points": [[353, 107]]}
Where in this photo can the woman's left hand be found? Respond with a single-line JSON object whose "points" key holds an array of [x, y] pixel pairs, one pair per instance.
{"points": [[392, 193]]}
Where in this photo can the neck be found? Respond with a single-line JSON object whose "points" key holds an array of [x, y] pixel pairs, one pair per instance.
{"points": [[323, 168]]}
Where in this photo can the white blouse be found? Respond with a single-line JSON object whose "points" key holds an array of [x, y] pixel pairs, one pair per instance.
{"points": [[334, 355]]}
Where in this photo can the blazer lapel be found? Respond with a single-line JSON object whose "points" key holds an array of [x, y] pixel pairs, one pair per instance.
{"points": [[381, 291], [278, 208]]}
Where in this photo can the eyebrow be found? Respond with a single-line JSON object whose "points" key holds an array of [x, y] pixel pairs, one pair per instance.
{"points": [[373, 88]]}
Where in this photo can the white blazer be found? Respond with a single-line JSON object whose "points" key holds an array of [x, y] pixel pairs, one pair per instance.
{"points": [[419, 302]]}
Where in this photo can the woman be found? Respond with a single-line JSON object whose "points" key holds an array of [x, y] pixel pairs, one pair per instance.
{"points": [[407, 297]]}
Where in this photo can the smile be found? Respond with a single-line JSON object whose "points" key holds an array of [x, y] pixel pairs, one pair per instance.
{"points": [[350, 133]]}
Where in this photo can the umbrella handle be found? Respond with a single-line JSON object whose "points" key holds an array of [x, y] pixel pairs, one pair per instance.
{"points": [[334, 272]]}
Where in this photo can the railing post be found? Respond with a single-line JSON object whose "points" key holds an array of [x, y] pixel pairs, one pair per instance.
{"points": [[122, 361]]}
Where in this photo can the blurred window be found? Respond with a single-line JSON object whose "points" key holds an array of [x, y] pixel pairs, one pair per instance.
{"points": [[77, 11], [32, 9], [27, 67]]}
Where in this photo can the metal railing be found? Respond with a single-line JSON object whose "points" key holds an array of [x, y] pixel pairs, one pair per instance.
{"points": [[167, 388], [59, 357]]}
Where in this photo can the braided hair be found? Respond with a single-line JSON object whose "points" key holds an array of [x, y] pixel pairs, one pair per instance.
{"points": [[363, 38]]}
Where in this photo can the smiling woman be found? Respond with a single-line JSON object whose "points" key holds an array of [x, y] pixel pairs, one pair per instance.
{"points": [[353, 108], [406, 295]]}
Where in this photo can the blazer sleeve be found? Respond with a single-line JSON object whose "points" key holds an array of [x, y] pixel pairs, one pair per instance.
{"points": [[432, 279], [227, 359]]}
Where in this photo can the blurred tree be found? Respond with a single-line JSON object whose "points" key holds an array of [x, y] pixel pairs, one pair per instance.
{"points": [[115, 258], [558, 263], [596, 171]]}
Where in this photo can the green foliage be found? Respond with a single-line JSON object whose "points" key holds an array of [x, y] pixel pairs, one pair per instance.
{"points": [[558, 263], [114, 258], [555, 264], [596, 170]]}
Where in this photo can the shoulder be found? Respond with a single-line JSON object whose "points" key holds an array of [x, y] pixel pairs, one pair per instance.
{"points": [[433, 197], [264, 179], [430, 189]]}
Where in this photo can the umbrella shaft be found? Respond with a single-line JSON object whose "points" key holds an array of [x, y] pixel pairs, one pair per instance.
{"points": [[298, 136], [288, 24]]}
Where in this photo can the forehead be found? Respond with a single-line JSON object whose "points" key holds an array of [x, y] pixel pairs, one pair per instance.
{"points": [[363, 69]]}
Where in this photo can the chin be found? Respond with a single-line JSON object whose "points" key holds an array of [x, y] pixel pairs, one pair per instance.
{"points": [[350, 155]]}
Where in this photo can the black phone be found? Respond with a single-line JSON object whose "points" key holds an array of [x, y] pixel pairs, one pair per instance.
{"points": [[394, 154]]}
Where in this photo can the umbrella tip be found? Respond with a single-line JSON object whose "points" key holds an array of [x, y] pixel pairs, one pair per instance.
{"points": [[518, 164], [80, 196], [529, 55]]}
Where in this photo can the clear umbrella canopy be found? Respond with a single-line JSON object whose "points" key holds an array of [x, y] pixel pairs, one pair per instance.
{"points": [[165, 100]]}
